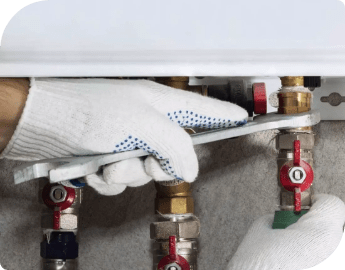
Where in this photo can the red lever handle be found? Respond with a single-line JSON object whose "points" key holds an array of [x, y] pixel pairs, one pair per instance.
{"points": [[173, 258], [297, 153], [291, 184], [172, 247]]}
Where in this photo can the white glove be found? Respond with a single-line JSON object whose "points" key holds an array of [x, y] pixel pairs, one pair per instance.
{"points": [[308, 242], [66, 117]]}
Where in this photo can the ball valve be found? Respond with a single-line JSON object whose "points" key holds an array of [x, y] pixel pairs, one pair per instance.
{"points": [[295, 176], [58, 198]]}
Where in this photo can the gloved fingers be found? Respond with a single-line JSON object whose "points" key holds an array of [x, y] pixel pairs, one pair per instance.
{"points": [[262, 225], [327, 211], [304, 244], [97, 182], [167, 142], [189, 109], [129, 172], [154, 169]]}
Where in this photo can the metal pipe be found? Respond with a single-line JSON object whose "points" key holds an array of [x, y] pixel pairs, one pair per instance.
{"points": [[57, 264], [59, 249], [293, 98], [175, 207]]}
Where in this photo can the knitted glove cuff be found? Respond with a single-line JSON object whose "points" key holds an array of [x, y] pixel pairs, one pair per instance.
{"points": [[51, 125]]}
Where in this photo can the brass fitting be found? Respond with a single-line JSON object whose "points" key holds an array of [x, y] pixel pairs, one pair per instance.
{"points": [[294, 102], [292, 81], [182, 83], [175, 82], [174, 199]]}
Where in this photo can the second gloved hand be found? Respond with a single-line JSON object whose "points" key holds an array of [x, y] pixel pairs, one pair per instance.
{"points": [[66, 117], [308, 242]]}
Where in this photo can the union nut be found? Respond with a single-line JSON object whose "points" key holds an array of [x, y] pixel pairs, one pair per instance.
{"points": [[183, 229]]}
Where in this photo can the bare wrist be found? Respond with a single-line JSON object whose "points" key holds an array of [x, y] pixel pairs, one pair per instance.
{"points": [[13, 94]]}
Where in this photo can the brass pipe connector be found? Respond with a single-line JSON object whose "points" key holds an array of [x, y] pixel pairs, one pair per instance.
{"points": [[175, 82], [291, 102], [294, 102], [174, 199], [182, 83]]}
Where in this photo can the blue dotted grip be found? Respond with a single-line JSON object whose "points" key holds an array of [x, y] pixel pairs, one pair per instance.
{"points": [[188, 119]]}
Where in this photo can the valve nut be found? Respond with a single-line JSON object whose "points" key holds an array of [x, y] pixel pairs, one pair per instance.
{"points": [[297, 175], [69, 222], [187, 229], [177, 205], [176, 199], [58, 194]]}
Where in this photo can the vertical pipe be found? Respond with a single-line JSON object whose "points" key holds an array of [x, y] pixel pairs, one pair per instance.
{"points": [[293, 98], [175, 206], [59, 249]]}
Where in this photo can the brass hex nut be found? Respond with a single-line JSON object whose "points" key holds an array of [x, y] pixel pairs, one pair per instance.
{"points": [[175, 205], [285, 141], [187, 229]]}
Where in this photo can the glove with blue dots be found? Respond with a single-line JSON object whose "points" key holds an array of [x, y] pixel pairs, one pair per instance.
{"points": [[97, 116]]}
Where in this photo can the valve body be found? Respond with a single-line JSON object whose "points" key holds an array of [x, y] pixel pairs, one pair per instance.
{"points": [[175, 207], [59, 221], [289, 103]]}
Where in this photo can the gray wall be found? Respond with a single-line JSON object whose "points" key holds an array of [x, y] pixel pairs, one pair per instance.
{"points": [[237, 183]]}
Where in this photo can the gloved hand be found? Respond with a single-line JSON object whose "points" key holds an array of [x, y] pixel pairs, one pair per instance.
{"points": [[66, 117], [308, 242]]}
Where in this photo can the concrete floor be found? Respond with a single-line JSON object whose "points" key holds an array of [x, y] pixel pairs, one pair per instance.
{"points": [[237, 183]]}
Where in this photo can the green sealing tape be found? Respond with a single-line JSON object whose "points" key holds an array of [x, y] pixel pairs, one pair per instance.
{"points": [[283, 219]]}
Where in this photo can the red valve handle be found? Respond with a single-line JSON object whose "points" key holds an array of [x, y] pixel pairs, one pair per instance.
{"points": [[58, 207], [173, 257], [57, 216], [296, 188], [298, 200], [297, 153], [172, 247]]}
